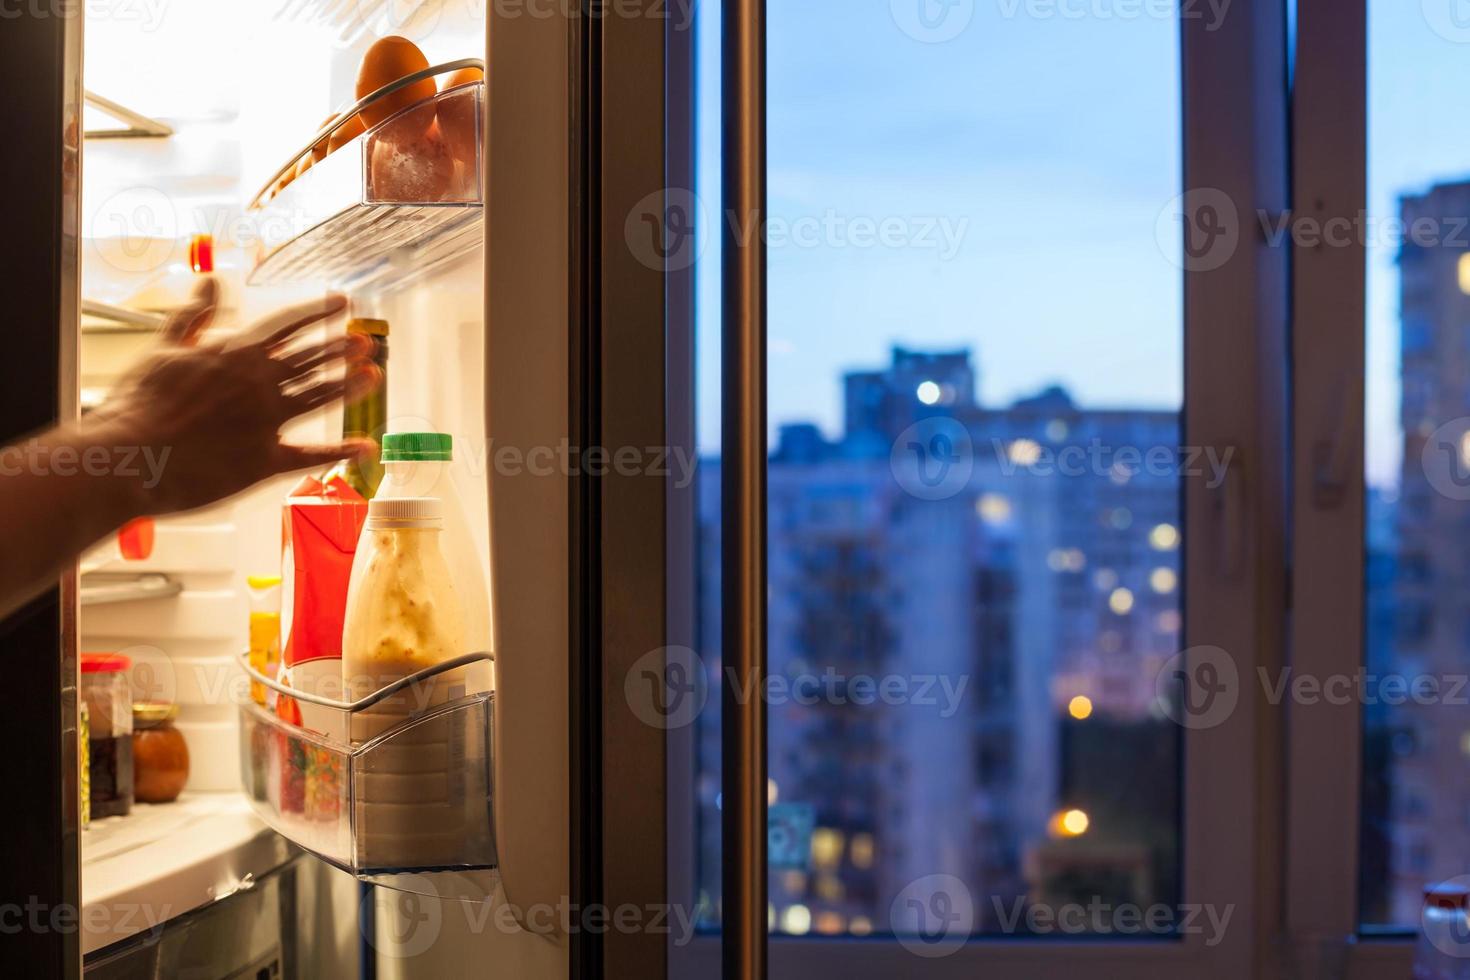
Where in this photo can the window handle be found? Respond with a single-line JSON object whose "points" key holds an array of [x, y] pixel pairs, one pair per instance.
{"points": [[1332, 456], [1227, 506]]}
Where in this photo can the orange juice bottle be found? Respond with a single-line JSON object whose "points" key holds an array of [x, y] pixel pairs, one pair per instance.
{"points": [[265, 630]]}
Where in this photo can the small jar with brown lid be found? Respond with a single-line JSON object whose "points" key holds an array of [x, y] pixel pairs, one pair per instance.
{"points": [[160, 756]]}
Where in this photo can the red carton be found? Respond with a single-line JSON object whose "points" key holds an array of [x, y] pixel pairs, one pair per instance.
{"points": [[320, 525]]}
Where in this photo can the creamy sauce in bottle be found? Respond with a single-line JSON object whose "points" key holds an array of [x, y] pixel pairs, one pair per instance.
{"points": [[403, 615]]}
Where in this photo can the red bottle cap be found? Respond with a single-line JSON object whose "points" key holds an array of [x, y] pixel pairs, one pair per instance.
{"points": [[105, 663], [201, 253], [135, 539]]}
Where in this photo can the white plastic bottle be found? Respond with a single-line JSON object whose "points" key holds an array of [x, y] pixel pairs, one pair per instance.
{"points": [[403, 615], [416, 464]]}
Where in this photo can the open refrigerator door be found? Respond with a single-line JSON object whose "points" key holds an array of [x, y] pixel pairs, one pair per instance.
{"points": [[285, 152]]}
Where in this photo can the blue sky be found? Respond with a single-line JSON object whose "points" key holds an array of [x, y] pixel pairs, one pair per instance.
{"points": [[1024, 165], [1418, 135]]}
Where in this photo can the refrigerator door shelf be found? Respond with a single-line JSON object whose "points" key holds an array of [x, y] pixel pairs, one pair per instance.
{"points": [[410, 808], [388, 206]]}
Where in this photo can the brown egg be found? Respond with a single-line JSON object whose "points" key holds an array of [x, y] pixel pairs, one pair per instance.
{"points": [[349, 131], [319, 149], [412, 171], [388, 60], [303, 165], [457, 115]]}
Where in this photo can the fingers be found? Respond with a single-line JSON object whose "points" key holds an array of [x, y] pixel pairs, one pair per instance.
{"points": [[280, 327], [352, 347], [357, 382], [185, 324], [290, 458]]}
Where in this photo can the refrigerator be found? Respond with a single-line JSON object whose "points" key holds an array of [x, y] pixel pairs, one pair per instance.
{"points": [[522, 319]]}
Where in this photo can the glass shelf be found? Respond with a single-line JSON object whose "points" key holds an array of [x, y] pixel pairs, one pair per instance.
{"points": [[388, 205], [409, 807]]}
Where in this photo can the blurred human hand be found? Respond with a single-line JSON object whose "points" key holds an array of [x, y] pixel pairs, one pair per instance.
{"points": [[210, 414]]}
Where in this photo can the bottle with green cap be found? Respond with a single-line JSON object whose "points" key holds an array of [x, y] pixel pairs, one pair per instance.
{"points": [[418, 464], [368, 415]]}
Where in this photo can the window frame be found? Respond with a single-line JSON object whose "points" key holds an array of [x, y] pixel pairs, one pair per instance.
{"points": [[1324, 807], [1236, 139]]}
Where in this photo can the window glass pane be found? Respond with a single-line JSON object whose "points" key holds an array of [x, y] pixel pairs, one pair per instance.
{"points": [[1416, 820], [975, 380]]}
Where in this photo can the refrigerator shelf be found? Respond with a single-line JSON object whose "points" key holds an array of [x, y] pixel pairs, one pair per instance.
{"points": [[387, 206], [409, 807]]}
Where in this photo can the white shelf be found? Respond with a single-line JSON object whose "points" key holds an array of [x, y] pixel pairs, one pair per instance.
{"points": [[161, 861]]}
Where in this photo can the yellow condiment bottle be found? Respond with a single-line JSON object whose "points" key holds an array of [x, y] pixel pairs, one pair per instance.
{"points": [[265, 630]]}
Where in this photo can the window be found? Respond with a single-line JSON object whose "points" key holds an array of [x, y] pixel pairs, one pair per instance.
{"points": [[925, 516], [976, 474], [1414, 759]]}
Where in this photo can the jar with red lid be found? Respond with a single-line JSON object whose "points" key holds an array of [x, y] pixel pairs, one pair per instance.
{"points": [[109, 698], [160, 755]]}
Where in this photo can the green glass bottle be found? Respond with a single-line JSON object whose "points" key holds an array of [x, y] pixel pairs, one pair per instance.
{"points": [[368, 415]]}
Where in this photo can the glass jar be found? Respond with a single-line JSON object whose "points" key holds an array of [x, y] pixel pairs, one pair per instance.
{"points": [[160, 755], [108, 694]]}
